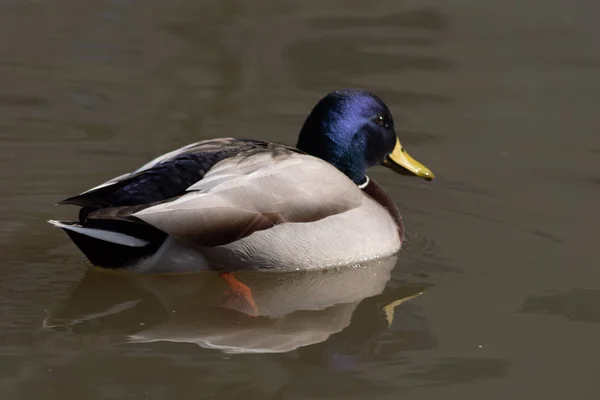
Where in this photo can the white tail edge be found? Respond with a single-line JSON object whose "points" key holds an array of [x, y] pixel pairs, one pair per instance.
{"points": [[102, 234]]}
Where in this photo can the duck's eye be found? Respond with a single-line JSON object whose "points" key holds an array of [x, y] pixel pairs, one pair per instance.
{"points": [[382, 121]]}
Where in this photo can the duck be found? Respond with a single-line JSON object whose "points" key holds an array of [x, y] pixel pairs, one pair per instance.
{"points": [[247, 204]]}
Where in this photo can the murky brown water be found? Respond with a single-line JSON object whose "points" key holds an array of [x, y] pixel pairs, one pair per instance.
{"points": [[500, 99]]}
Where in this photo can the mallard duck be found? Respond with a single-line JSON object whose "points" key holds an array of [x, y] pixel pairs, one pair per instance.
{"points": [[251, 204]]}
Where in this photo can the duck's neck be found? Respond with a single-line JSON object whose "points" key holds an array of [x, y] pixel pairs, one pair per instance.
{"points": [[349, 160], [377, 193], [341, 141]]}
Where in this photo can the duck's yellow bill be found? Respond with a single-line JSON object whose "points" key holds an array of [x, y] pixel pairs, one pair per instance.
{"points": [[400, 161]]}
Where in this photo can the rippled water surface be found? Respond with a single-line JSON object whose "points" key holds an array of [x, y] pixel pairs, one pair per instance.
{"points": [[497, 292]]}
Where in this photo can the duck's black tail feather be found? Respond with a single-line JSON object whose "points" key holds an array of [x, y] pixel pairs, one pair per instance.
{"points": [[113, 244]]}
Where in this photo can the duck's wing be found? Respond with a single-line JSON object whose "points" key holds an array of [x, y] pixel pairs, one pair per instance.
{"points": [[251, 191], [166, 176]]}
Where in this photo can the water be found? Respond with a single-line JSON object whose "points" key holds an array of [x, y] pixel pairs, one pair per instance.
{"points": [[496, 293]]}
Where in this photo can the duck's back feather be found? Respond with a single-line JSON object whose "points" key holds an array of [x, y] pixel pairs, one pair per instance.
{"points": [[169, 175]]}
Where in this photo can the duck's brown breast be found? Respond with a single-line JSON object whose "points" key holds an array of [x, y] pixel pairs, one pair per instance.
{"points": [[376, 192]]}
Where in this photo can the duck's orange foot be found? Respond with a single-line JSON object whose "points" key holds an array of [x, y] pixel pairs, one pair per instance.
{"points": [[239, 296]]}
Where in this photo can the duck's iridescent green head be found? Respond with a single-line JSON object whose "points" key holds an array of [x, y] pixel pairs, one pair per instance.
{"points": [[354, 130]]}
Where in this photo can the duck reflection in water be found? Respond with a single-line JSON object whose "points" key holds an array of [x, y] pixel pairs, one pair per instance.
{"points": [[286, 311]]}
